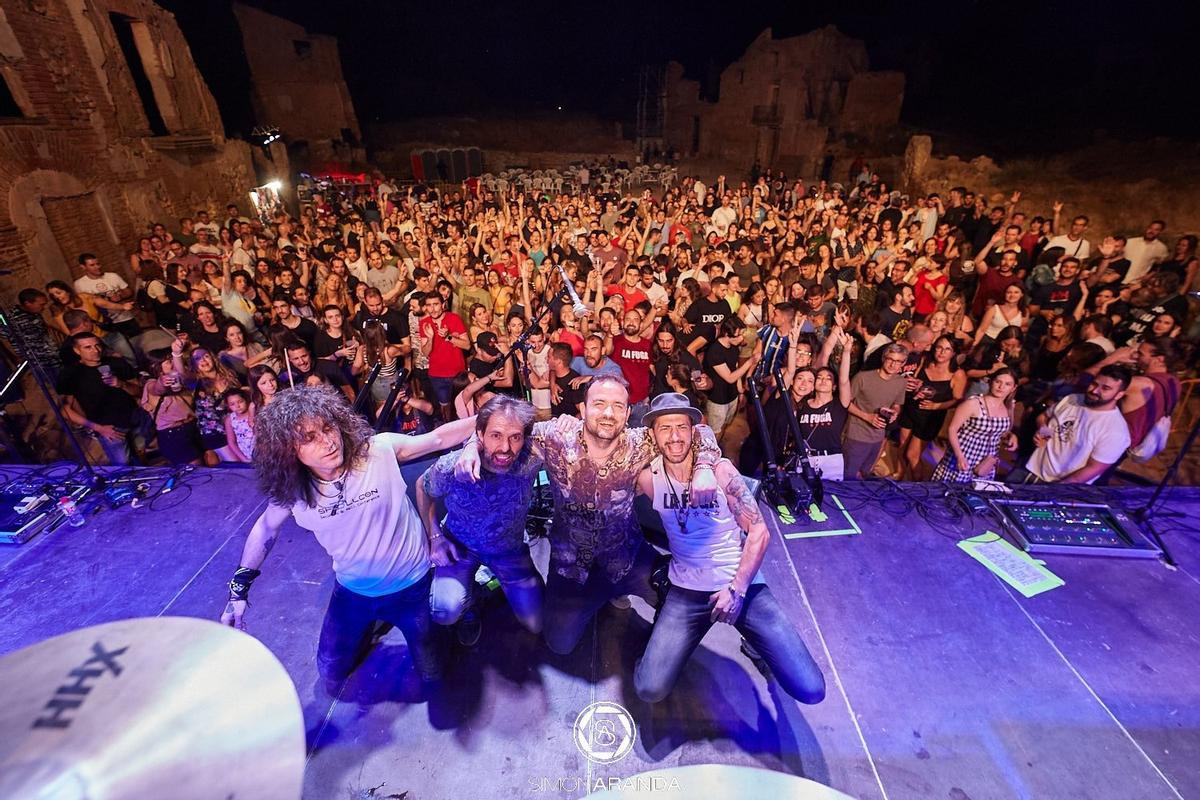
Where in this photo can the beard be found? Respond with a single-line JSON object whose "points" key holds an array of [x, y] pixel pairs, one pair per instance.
{"points": [[489, 463], [605, 432], [1091, 401]]}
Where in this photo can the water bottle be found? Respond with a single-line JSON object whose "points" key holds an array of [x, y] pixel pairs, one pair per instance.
{"points": [[71, 512]]}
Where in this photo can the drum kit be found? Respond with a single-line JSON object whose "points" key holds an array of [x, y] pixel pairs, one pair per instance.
{"points": [[141, 708]]}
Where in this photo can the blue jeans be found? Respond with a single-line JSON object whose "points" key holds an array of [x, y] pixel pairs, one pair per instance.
{"points": [[685, 618], [136, 435], [454, 587], [350, 621], [443, 390], [120, 346], [570, 606]]}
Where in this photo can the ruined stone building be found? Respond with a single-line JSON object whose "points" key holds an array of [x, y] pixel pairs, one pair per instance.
{"points": [[788, 103], [105, 125], [297, 87]]}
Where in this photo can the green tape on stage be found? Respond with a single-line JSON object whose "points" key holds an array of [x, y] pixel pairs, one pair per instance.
{"points": [[1014, 567], [815, 515]]}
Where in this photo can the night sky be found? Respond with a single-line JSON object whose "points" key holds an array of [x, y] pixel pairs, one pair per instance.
{"points": [[1009, 77]]}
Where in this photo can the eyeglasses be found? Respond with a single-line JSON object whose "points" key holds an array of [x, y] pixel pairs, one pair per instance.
{"points": [[896, 360]]}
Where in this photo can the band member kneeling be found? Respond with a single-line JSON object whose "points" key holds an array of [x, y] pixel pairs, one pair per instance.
{"points": [[319, 462], [485, 520], [716, 553]]}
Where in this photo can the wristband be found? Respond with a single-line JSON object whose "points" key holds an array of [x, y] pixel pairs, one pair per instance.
{"points": [[239, 585], [739, 596]]}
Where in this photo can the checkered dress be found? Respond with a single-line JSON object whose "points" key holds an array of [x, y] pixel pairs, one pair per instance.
{"points": [[978, 438]]}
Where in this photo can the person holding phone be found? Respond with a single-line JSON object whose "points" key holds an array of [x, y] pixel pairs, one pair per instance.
{"points": [[171, 408], [100, 394]]}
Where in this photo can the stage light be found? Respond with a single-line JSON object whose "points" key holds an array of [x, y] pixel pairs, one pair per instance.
{"points": [[263, 136]]}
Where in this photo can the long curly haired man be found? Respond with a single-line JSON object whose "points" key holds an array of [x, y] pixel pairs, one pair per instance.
{"points": [[319, 462]]}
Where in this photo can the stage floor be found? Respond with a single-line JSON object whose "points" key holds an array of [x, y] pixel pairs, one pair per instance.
{"points": [[942, 681]]}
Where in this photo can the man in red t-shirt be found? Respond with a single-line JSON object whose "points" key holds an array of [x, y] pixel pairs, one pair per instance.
{"points": [[631, 352], [631, 289], [994, 282], [443, 340]]}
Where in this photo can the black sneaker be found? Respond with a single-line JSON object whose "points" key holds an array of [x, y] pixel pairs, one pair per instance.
{"points": [[469, 628]]}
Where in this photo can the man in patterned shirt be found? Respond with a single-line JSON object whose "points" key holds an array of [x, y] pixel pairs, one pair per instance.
{"points": [[485, 521], [597, 549], [30, 326]]}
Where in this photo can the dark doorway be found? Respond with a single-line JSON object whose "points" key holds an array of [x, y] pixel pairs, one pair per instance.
{"points": [[123, 26], [8, 103], [827, 169]]}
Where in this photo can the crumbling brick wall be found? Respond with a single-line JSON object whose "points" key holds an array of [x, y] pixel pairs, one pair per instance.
{"points": [[84, 138]]}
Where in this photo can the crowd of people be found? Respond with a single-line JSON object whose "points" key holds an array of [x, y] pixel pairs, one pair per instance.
{"points": [[972, 338], [611, 343]]}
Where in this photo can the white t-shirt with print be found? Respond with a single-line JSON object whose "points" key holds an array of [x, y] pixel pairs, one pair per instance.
{"points": [[108, 282], [1078, 433], [370, 527]]}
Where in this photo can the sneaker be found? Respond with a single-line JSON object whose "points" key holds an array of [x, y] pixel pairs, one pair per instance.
{"points": [[469, 628], [621, 602]]}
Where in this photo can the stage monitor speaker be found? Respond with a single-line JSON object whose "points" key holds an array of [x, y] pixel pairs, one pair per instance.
{"points": [[474, 162], [458, 165]]}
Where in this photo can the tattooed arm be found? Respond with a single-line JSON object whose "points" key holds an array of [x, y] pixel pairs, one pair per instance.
{"points": [[744, 508]]}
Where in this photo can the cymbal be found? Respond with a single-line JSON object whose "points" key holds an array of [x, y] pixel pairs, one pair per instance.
{"points": [[140, 708], [716, 782]]}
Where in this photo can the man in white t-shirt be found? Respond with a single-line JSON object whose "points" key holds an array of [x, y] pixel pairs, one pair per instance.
{"points": [[717, 551], [1072, 242], [723, 217], [203, 223], [205, 246], [1083, 435], [1145, 251], [652, 287], [320, 463], [111, 293]]}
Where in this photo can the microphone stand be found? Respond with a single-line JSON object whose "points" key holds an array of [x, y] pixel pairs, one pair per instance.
{"points": [[360, 401], [810, 474], [1145, 514], [521, 343], [44, 383]]}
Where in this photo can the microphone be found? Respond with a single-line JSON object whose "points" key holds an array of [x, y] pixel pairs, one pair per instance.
{"points": [[576, 304]]}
